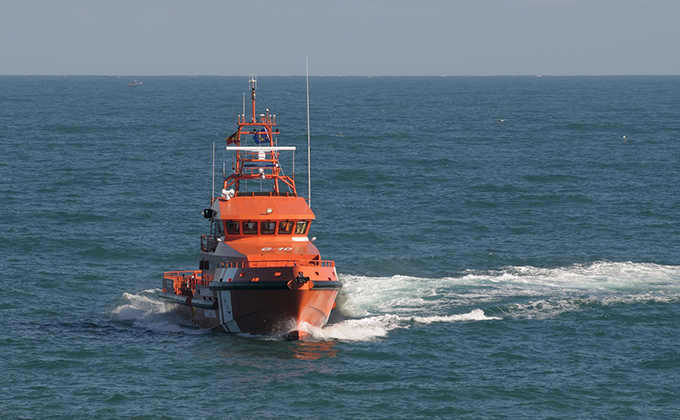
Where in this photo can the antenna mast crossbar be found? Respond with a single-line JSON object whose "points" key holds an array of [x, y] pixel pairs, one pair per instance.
{"points": [[259, 162]]}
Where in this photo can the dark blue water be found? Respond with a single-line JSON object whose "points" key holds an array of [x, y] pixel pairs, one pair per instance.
{"points": [[506, 252]]}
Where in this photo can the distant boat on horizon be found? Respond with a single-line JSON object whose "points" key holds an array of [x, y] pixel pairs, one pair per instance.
{"points": [[135, 83]]}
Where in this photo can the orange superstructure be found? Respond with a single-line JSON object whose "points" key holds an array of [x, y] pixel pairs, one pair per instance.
{"points": [[259, 272]]}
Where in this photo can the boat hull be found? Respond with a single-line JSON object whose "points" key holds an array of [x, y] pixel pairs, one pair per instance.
{"points": [[274, 311], [261, 308]]}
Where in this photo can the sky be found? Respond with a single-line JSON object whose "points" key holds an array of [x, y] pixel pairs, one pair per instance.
{"points": [[340, 37]]}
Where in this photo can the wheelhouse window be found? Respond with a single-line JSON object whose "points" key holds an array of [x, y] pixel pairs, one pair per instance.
{"points": [[286, 227], [301, 227], [250, 228], [268, 228], [232, 227], [216, 228]]}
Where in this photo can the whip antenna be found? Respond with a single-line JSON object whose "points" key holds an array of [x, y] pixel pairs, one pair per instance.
{"points": [[213, 175], [309, 142]]}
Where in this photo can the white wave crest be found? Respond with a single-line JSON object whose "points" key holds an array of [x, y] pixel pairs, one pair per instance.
{"points": [[363, 329], [474, 315], [375, 327], [599, 275], [145, 310], [138, 306]]}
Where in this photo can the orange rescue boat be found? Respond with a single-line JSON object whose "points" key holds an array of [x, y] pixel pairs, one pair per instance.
{"points": [[259, 272]]}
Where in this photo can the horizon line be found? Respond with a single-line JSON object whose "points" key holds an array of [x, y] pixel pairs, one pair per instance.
{"points": [[538, 75]]}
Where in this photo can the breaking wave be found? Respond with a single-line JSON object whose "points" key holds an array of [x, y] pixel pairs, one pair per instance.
{"points": [[145, 310], [374, 327]]}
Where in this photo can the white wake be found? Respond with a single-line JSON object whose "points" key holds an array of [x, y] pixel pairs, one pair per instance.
{"points": [[370, 307]]}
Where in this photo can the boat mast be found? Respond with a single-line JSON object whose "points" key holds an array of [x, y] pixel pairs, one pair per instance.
{"points": [[253, 86], [259, 162]]}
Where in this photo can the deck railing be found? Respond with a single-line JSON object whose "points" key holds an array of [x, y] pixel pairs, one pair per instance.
{"points": [[190, 278], [289, 263], [209, 243], [188, 273], [254, 264]]}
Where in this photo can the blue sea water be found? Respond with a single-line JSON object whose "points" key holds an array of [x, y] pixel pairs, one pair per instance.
{"points": [[505, 251]]}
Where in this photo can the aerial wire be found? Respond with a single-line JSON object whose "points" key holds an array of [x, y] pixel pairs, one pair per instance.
{"points": [[309, 141]]}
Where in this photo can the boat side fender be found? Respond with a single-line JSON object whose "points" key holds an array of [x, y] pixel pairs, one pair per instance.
{"points": [[296, 285]]}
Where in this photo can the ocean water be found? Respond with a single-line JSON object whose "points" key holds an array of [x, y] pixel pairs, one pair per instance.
{"points": [[505, 251]]}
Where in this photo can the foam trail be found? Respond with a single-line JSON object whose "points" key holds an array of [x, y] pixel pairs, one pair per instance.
{"points": [[144, 310], [602, 275], [474, 315], [374, 306], [363, 329], [519, 291], [138, 306], [374, 327]]}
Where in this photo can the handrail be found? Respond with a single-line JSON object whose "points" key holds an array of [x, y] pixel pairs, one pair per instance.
{"points": [[260, 148], [256, 264], [209, 243], [277, 263], [187, 273], [191, 278], [265, 194], [290, 263]]}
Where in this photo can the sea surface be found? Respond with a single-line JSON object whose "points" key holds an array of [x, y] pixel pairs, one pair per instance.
{"points": [[509, 248]]}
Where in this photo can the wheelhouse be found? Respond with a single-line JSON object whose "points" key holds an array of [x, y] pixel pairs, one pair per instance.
{"points": [[234, 229]]}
